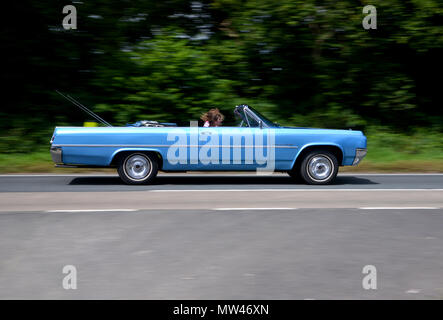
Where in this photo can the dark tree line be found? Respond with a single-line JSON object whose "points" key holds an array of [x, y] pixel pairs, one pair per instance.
{"points": [[307, 63]]}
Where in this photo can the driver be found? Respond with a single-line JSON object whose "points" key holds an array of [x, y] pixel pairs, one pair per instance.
{"points": [[212, 118]]}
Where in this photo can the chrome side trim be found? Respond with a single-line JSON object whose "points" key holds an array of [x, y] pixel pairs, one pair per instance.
{"points": [[162, 146]]}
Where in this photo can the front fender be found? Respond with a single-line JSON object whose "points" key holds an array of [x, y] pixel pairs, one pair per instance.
{"points": [[318, 144]]}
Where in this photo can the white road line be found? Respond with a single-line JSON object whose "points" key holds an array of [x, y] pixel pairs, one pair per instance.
{"points": [[413, 291], [238, 209], [287, 190], [398, 208], [93, 210], [221, 209], [212, 174]]}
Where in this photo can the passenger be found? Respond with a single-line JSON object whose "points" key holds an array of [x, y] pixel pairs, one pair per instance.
{"points": [[212, 118]]}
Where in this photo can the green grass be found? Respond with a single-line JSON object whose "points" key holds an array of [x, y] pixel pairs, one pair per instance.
{"points": [[34, 162], [421, 151], [39, 161]]}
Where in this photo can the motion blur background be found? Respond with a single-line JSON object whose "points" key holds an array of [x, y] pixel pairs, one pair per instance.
{"points": [[301, 63]]}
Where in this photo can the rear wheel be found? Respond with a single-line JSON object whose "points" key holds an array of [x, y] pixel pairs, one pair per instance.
{"points": [[137, 168], [319, 167]]}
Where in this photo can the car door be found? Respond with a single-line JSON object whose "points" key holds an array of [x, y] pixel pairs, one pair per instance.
{"points": [[233, 148]]}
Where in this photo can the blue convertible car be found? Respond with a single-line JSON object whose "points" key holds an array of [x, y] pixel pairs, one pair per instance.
{"points": [[258, 144]]}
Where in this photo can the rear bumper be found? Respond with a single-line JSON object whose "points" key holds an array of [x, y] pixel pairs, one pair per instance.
{"points": [[359, 155], [57, 154]]}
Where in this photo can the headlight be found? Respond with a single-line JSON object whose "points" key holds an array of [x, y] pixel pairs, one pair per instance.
{"points": [[359, 155]]}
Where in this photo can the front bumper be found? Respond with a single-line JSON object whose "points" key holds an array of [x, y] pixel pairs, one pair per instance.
{"points": [[57, 154], [359, 155]]}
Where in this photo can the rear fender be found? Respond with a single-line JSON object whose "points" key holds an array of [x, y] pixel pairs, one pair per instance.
{"points": [[116, 156]]}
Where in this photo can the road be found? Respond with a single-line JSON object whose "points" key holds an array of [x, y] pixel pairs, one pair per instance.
{"points": [[221, 237]]}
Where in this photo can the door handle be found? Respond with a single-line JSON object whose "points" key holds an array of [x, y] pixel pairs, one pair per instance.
{"points": [[206, 132]]}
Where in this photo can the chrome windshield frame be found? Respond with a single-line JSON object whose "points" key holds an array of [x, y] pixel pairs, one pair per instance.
{"points": [[247, 114]]}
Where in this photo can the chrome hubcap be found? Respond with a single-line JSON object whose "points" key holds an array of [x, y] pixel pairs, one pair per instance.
{"points": [[137, 167], [320, 167]]}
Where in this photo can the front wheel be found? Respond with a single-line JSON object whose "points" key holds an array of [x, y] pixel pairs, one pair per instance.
{"points": [[137, 168], [319, 167]]}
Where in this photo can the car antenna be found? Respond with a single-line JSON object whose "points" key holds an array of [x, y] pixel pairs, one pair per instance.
{"points": [[78, 104]]}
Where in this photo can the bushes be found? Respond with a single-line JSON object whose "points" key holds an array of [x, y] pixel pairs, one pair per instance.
{"points": [[301, 63]]}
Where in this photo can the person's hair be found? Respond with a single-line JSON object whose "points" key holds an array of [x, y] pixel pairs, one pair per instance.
{"points": [[212, 115]]}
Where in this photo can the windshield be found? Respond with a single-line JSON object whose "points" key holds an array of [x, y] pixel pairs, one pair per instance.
{"points": [[265, 120]]}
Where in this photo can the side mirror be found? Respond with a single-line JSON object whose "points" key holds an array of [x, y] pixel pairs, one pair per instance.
{"points": [[260, 124]]}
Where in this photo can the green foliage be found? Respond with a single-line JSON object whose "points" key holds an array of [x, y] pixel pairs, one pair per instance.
{"points": [[303, 63]]}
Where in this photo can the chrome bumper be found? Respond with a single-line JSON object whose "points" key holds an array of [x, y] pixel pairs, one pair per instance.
{"points": [[359, 155], [56, 154]]}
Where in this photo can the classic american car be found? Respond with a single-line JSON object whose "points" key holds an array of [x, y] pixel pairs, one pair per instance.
{"points": [[139, 152]]}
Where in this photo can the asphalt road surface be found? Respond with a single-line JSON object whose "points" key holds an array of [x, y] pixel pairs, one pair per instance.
{"points": [[221, 237]]}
